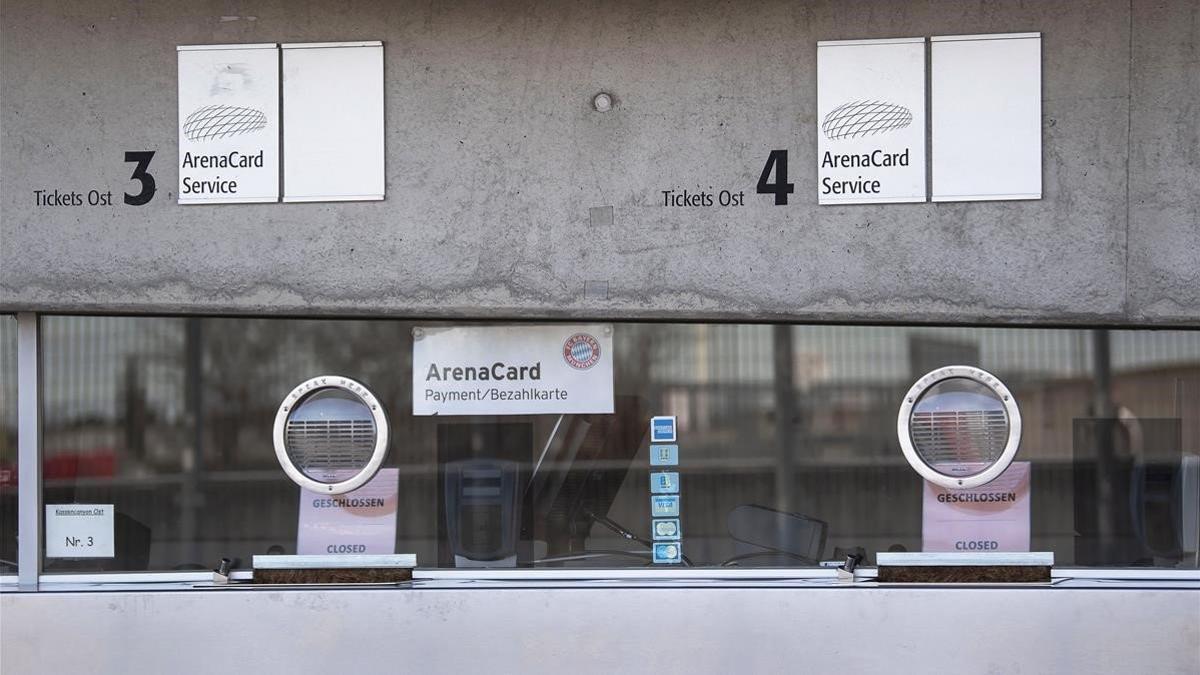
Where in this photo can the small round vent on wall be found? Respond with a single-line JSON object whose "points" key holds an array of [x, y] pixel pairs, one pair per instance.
{"points": [[959, 427], [331, 435]]}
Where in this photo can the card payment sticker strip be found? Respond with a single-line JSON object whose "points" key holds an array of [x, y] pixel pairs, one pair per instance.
{"points": [[665, 526]]}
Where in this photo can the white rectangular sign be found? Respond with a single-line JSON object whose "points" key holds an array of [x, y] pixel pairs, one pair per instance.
{"points": [[361, 522], [80, 531], [871, 121], [333, 142], [228, 124], [513, 370], [986, 103], [992, 517]]}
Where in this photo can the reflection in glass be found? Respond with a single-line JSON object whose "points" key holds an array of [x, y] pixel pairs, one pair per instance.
{"points": [[8, 444], [787, 447]]}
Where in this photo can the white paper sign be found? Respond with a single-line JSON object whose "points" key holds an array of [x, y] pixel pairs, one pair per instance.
{"points": [[871, 121], [80, 531], [361, 522], [228, 124], [991, 517], [513, 370]]}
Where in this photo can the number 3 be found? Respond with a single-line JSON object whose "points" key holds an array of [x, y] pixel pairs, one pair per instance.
{"points": [[139, 174]]}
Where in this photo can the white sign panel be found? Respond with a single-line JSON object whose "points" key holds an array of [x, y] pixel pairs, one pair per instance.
{"points": [[513, 370], [871, 121], [362, 521], [80, 531], [986, 103], [991, 517], [333, 142], [228, 124]]}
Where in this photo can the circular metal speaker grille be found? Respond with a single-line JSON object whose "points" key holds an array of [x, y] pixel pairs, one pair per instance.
{"points": [[959, 427], [331, 435]]}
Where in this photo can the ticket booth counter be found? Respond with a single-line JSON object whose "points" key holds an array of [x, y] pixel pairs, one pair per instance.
{"points": [[689, 495]]}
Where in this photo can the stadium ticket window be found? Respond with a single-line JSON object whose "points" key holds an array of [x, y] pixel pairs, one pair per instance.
{"points": [[8, 444], [785, 454]]}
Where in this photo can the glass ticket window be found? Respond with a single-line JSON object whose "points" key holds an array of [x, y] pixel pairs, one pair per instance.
{"points": [[8, 444], [783, 448]]}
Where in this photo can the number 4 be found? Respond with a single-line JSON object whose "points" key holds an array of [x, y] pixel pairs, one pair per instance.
{"points": [[777, 160]]}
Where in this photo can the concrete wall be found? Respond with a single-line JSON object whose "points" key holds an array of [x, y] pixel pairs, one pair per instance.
{"points": [[581, 630], [499, 172]]}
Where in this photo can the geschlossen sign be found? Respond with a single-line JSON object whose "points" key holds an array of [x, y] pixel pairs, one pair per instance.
{"points": [[363, 521], [513, 370], [992, 517]]}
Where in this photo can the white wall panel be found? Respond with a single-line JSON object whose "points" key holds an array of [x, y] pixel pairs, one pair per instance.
{"points": [[333, 147], [986, 109]]}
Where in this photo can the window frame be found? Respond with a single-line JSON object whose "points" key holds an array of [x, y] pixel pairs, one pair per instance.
{"points": [[29, 576]]}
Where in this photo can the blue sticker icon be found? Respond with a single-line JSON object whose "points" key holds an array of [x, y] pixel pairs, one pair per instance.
{"points": [[665, 506], [668, 553], [664, 455], [664, 482], [662, 429], [666, 528]]}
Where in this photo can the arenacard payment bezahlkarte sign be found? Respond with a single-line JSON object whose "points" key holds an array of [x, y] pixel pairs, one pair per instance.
{"points": [[871, 119], [228, 124], [513, 370]]}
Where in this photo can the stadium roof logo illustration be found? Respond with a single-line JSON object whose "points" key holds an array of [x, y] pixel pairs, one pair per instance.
{"points": [[222, 121], [857, 119]]}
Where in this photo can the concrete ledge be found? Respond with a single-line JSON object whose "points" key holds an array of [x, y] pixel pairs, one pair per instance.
{"points": [[975, 630]]}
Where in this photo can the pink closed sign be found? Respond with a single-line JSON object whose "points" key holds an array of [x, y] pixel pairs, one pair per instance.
{"points": [[991, 517], [359, 522]]}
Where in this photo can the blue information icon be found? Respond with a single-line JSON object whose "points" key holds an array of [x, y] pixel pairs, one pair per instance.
{"points": [[668, 553], [662, 429], [664, 482], [664, 455], [666, 529], [664, 506]]}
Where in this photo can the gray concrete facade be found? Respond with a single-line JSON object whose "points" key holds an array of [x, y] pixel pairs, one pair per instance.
{"points": [[500, 175]]}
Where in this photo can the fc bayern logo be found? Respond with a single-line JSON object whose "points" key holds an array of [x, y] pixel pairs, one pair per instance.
{"points": [[581, 351]]}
